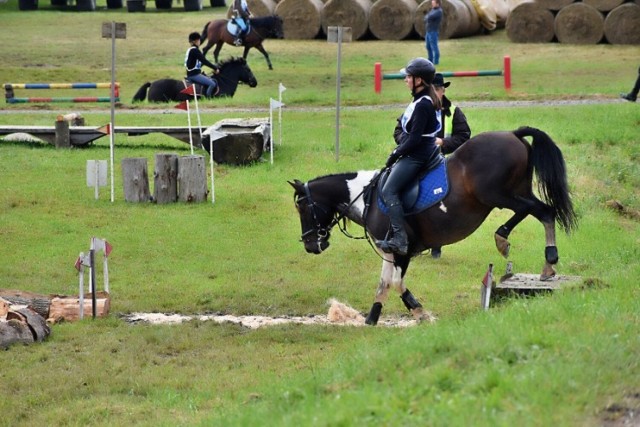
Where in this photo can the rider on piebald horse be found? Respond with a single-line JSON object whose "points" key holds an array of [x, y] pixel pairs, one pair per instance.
{"points": [[416, 151], [193, 61], [241, 15]]}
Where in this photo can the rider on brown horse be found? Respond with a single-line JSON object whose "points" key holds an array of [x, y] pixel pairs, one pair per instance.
{"points": [[241, 19]]}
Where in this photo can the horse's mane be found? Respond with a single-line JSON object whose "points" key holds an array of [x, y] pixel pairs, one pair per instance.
{"points": [[232, 60], [265, 21]]}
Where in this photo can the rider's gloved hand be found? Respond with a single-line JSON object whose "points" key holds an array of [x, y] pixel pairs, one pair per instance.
{"points": [[392, 158]]}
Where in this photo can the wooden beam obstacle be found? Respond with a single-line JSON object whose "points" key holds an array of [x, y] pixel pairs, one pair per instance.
{"points": [[378, 76], [12, 99]]}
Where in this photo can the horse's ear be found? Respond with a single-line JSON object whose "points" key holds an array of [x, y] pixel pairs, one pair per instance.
{"points": [[296, 184]]}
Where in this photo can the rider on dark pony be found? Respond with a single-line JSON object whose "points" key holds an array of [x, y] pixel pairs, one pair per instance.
{"points": [[241, 19], [416, 151], [193, 61]]}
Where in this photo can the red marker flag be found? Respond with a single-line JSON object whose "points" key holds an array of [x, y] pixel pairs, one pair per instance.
{"points": [[106, 129], [182, 106], [188, 90]]}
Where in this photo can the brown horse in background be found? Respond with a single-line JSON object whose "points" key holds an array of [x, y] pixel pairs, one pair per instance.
{"points": [[491, 170], [215, 32]]}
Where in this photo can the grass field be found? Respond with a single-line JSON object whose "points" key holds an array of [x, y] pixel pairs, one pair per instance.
{"points": [[567, 359]]}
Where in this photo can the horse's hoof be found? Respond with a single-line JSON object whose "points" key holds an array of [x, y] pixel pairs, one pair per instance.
{"points": [[548, 272], [502, 245]]}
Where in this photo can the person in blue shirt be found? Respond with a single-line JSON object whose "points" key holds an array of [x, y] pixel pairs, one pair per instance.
{"points": [[432, 21], [193, 61], [416, 151]]}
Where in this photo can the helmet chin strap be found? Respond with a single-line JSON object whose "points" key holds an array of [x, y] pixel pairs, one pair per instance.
{"points": [[413, 86]]}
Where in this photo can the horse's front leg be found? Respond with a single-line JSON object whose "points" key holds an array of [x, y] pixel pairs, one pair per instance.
{"points": [[216, 51], [266, 55]]}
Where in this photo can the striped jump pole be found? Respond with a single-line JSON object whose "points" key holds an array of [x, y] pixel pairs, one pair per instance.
{"points": [[378, 76], [12, 99]]}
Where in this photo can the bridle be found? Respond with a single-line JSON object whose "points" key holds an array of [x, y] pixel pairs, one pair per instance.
{"points": [[323, 233]]}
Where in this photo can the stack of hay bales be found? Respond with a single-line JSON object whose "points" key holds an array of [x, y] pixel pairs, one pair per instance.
{"points": [[569, 21]]}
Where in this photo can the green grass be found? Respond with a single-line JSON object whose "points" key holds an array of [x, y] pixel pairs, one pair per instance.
{"points": [[554, 360]]}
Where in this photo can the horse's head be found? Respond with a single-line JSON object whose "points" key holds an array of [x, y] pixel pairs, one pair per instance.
{"points": [[277, 31], [316, 219], [241, 69]]}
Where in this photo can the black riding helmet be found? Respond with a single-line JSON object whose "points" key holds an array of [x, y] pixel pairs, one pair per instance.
{"points": [[193, 37], [420, 67]]}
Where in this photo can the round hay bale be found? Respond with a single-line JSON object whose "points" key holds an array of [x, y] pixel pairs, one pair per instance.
{"points": [[604, 5], [347, 13], [418, 18], [530, 23], [579, 23], [554, 4], [301, 19], [392, 19], [457, 18], [257, 7], [473, 25], [622, 23]]}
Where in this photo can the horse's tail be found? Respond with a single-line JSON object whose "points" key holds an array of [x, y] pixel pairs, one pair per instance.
{"points": [[548, 164], [204, 34], [141, 94]]}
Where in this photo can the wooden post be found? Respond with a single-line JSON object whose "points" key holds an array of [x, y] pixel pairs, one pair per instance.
{"points": [[135, 179], [165, 178], [192, 179], [63, 139]]}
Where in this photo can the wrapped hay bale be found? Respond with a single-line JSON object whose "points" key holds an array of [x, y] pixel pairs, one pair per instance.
{"points": [[604, 5], [554, 5], [347, 13], [392, 19], [473, 25], [530, 23], [579, 23], [301, 19], [257, 7], [622, 23], [487, 13], [502, 10]]}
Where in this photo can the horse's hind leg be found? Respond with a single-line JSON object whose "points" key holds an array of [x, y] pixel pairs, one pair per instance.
{"points": [[216, 51]]}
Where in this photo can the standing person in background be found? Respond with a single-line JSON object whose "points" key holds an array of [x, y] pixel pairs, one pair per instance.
{"points": [[241, 18], [432, 22], [633, 95], [455, 129]]}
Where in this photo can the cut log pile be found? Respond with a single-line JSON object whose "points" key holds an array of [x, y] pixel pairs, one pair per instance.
{"points": [[25, 317], [575, 22]]}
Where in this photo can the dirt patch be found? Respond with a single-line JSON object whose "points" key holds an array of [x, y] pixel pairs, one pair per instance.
{"points": [[339, 315], [623, 414]]}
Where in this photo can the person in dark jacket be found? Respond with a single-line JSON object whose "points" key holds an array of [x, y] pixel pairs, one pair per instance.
{"points": [[432, 21], [193, 61], [416, 151], [633, 95], [455, 129]]}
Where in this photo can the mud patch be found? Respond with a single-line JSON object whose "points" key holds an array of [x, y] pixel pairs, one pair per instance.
{"points": [[339, 314], [624, 413]]}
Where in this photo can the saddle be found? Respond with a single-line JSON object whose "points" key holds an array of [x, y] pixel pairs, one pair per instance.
{"points": [[428, 188], [234, 29]]}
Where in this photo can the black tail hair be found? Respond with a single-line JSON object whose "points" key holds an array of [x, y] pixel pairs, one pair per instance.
{"points": [[141, 94]]}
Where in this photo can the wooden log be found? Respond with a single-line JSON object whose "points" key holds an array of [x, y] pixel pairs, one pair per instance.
{"points": [[347, 13], [67, 308], [192, 179], [604, 5], [301, 19], [14, 331], [36, 323], [165, 178], [63, 137], [39, 303], [622, 24], [135, 179], [554, 5], [579, 23], [392, 19], [530, 23]]}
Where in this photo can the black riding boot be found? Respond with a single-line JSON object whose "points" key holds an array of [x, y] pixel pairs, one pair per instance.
{"points": [[398, 242]]}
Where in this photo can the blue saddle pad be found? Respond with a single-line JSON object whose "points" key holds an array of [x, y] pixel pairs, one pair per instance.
{"points": [[425, 192]]}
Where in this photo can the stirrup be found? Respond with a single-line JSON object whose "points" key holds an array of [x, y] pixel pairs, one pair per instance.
{"points": [[237, 42]]}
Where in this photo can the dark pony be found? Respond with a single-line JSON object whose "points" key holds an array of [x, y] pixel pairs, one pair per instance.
{"points": [[491, 170], [215, 32], [232, 72]]}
